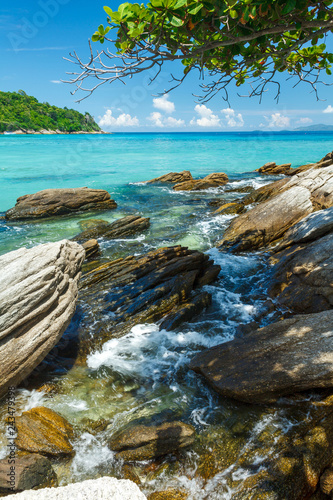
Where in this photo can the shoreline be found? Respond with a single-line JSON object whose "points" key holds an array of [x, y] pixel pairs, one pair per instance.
{"points": [[53, 132]]}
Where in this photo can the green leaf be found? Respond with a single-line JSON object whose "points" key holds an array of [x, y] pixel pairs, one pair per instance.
{"points": [[101, 29], [108, 10], [233, 14], [175, 21], [196, 9], [290, 5], [179, 4], [96, 36]]}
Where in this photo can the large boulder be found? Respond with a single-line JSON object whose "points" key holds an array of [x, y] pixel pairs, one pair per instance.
{"points": [[268, 221], [103, 488], [26, 472], [272, 168], [42, 430], [172, 177], [121, 228], [210, 181], [38, 294], [55, 202], [286, 357], [144, 442]]}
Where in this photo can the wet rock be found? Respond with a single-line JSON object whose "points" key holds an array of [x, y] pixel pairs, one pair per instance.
{"points": [[326, 481], [303, 275], [244, 189], [103, 488], [145, 442], [173, 177], [187, 311], [210, 181], [55, 202], [146, 288], [42, 430], [29, 471], [91, 247], [286, 357], [169, 494], [323, 163], [230, 209], [38, 294], [264, 192], [121, 228], [91, 223], [268, 221], [272, 168]]}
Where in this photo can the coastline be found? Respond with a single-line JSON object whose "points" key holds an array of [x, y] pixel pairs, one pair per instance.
{"points": [[53, 132]]}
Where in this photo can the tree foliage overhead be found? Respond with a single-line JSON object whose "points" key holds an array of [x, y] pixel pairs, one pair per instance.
{"points": [[19, 111], [231, 41]]}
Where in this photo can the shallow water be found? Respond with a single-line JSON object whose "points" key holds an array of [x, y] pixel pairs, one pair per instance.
{"points": [[144, 373]]}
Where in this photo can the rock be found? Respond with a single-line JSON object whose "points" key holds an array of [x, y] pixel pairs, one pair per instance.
{"points": [[326, 481], [146, 288], [121, 228], [267, 222], [264, 192], [91, 247], [38, 294], [92, 223], [187, 311], [210, 181], [283, 358], [173, 177], [230, 209], [25, 473], [303, 276], [145, 442], [103, 488], [323, 163], [170, 494], [55, 202], [42, 430], [272, 168]]}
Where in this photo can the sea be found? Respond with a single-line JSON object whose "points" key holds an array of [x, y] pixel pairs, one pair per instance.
{"points": [[145, 372]]}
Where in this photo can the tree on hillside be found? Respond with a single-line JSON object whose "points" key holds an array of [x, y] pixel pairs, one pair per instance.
{"points": [[231, 41]]}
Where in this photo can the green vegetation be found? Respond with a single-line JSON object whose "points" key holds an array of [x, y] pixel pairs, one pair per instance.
{"points": [[19, 111], [232, 41]]}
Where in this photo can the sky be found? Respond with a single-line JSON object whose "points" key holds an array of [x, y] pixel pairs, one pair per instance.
{"points": [[36, 36]]}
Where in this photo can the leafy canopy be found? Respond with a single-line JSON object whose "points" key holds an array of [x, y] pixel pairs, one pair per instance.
{"points": [[244, 40]]}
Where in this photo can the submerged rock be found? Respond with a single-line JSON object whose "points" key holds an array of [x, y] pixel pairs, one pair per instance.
{"points": [[55, 202], [42, 430], [173, 177], [103, 488], [272, 168], [169, 494], [38, 294], [268, 221], [289, 356], [121, 228], [230, 209], [210, 181], [29, 471], [143, 442]]}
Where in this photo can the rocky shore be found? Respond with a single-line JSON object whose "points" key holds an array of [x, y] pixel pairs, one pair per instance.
{"points": [[284, 356]]}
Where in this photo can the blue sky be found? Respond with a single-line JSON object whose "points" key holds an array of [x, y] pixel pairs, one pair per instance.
{"points": [[35, 36]]}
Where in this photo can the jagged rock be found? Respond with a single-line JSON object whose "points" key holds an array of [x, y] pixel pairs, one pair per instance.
{"points": [[230, 209], [303, 276], [55, 202], [268, 221], [146, 288], [323, 163], [272, 168], [38, 294], [103, 488], [143, 442], [187, 311], [173, 177], [121, 228], [264, 192], [170, 494], [326, 481], [42, 430], [91, 247], [26, 472], [289, 356], [210, 181]]}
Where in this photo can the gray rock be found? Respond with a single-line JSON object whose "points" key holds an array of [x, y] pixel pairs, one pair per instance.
{"points": [[38, 293], [26, 472], [286, 357]]}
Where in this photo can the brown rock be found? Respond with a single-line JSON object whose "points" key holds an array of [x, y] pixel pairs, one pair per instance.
{"points": [[210, 181], [91, 223], [173, 177], [55, 202], [187, 311], [28, 472], [289, 356], [91, 247], [272, 168], [121, 228], [145, 442], [326, 481], [42, 430], [170, 494], [230, 209], [264, 192]]}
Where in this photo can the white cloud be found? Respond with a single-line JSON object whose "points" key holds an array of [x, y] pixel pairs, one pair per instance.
{"points": [[233, 119], [123, 120], [207, 118], [160, 121], [304, 121], [329, 109], [164, 104], [277, 120]]}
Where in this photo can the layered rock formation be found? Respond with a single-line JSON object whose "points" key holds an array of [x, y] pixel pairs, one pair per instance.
{"points": [[121, 228], [30, 471], [38, 294], [55, 202], [272, 168], [143, 442], [289, 356], [172, 177], [210, 181]]}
